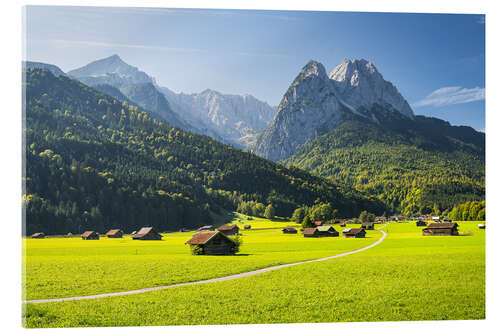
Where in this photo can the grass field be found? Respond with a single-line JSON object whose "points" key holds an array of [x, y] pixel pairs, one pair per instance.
{"points": [[406, 277], [59, 267]]}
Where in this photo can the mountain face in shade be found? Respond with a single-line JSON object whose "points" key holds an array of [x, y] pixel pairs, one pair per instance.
{"points": [[236, 118], [111, 70], [315, 104]]}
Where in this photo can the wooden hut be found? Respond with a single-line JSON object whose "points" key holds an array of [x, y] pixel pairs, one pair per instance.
{"points": [[89, 235], [206, 228], [115, 233], [229, 229], [368, 225], [289, 230], [327, 231], [247, 227], [354, 233], [38, 235], [147, 233], [212, 243], [441, 229], [421, 223], [310, 232]]}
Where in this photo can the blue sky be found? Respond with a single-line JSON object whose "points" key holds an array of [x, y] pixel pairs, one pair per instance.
{"points": [[436, 61]]}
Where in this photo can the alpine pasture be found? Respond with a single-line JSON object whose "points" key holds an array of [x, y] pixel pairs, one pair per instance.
{"points": [[406, 277]]}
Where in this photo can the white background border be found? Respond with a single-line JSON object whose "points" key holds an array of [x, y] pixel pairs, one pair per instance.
{"points": [[10, 131]]}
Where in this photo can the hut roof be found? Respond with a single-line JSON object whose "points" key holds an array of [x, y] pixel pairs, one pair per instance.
{"points": [[88, 233], [324, 228], [442, 225], [353, 231], [113, 232], [318, 223], [309, 231], [203, 237], [145, 231], [37, 234], [205, 227], [228, 227]]}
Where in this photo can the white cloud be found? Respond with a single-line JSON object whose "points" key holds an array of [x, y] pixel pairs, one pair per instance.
{"points": [[451, 95]]}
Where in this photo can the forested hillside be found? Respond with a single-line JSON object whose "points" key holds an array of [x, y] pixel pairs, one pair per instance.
{"points": [[93, 162], [409, 164]]}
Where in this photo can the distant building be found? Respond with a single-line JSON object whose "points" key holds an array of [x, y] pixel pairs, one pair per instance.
{"points": [[206, 228], [289, 230], [481, 226], [420, 223], [115, 233], [211, 243], [435, 218], [321, 231], [368, 225], [147, 233], [354, 233], [318, 223], [38, 235], [90, 235], [247, 227], [441, 229], [229, 229]]}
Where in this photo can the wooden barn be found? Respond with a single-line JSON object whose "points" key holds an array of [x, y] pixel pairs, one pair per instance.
{"points": [[38, 235], [211, 243], [229, 229], [147, 233], [88, 235], [421, 223], [368, 225], [310, 232], [115, 233], [206, 228], [289, 230], [247, 227], [441, 229], [354, 233], [327, 231]]}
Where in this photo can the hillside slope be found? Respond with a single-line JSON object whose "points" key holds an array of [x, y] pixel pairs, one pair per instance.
{"points": [[93, 162]]}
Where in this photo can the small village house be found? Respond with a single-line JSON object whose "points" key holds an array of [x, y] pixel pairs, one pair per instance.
{"points": [[435, 218], [441, 229], [115, 233], [354, 233], [289, 230], [38, 235], [229, 229], [420, 223], [147, 233], [327, 231], [368, 225], [90, 235], [212, 243], [318, 223]]}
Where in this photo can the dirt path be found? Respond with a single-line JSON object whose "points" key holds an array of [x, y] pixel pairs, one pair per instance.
{"points": [[220, 279]]}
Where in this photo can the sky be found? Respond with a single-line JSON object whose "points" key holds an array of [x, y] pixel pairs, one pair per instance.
{"points": [[436, 61]]}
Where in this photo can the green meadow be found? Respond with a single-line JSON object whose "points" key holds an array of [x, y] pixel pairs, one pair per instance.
{"points": [[63, 267], [406, 277]]}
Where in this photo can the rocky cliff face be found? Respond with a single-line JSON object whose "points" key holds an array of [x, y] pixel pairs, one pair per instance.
{"points": [[315, 104], [236, 118]]}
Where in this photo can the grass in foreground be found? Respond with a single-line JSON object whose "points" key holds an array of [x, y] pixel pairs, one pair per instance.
{"points": [[63, 267], [406, 277]]}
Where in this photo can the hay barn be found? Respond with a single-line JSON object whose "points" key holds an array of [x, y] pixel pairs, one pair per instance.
{"points": [[441, 229], [211, 243], [115, 233], [147, 233], [229, 229], [327, 231], [354, 233], [90, 235], [38, 235]]}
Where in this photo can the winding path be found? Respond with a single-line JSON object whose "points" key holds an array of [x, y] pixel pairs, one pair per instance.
{"points": [[219, 279]]}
